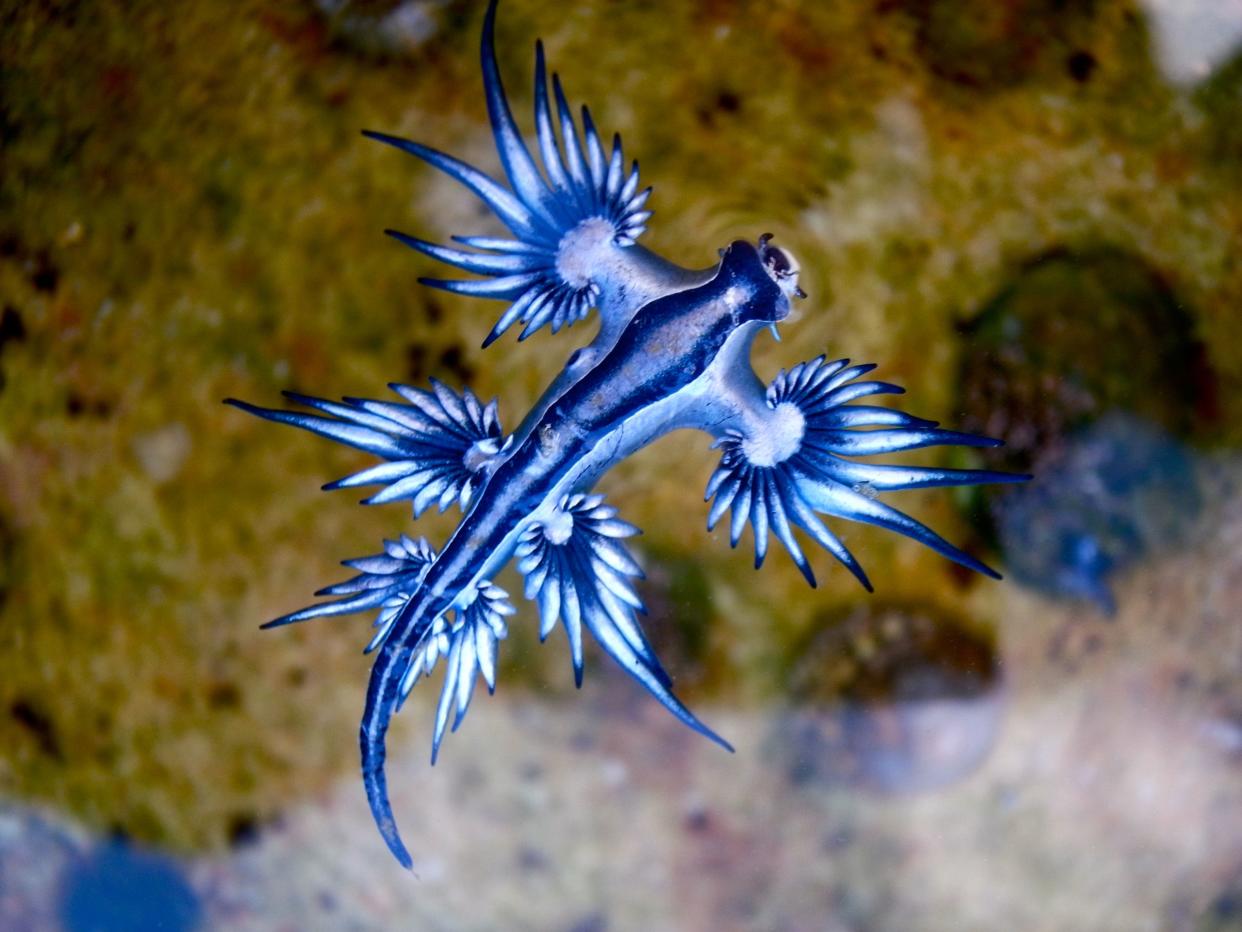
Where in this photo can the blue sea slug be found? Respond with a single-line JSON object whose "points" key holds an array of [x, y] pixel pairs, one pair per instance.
{"points": [[672, 351]]}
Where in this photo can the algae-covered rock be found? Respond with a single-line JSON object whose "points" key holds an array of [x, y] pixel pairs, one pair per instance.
{"points": [[1074, 336], [1088, 366], [993, 45]]}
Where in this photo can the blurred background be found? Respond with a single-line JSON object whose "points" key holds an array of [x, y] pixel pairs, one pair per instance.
{"points": [[1028, 212]]}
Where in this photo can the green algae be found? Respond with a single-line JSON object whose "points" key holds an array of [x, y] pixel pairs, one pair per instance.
{"points": [[1220, 100], [999, 45], [188, 213]]}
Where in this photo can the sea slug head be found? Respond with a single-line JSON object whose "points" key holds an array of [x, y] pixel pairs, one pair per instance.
{"points": [[761, 280], [781, 266]]}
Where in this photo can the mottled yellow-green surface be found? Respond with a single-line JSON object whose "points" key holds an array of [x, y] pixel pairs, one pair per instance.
{"points": [[188, 212]]}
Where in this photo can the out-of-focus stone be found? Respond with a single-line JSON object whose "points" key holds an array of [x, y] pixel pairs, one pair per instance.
{"points": [[1117, 491], [890, 698], [1073, 336], [991, 45], [390, 28]]}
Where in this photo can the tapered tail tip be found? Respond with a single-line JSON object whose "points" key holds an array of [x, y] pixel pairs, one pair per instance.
{"points": [[696, 725], [387, 825], [980, 567], [399, 852], [377, 795]]}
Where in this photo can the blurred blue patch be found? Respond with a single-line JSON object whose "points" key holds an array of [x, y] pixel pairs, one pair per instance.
{"points": [[1117, 491], [118, 887]]}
